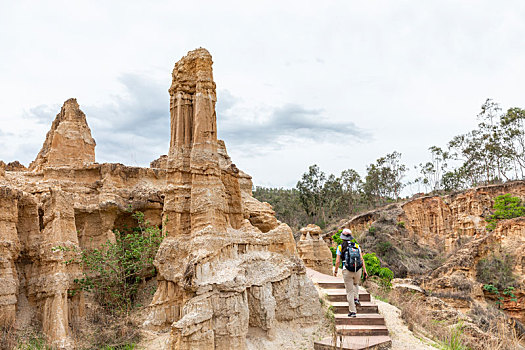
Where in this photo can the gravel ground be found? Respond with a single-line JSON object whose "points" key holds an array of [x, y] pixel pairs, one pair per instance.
{"points": [[402, 337]]}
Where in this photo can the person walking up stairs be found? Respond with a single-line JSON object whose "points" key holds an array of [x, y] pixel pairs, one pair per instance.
{"points": [[353, 267]]}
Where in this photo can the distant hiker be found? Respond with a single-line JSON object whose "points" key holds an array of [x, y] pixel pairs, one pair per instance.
{"points": [[353, 265]]}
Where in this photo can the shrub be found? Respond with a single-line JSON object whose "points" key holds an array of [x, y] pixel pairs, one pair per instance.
{"points": [[496, 270], [373, 265], [386, 273], [505, 207], [507, 292], [384, 247], [401, 224], [372, 230], [337, 237], [114, 272]]}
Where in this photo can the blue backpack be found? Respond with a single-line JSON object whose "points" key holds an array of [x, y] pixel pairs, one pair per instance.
{"points": [[352, 258]]}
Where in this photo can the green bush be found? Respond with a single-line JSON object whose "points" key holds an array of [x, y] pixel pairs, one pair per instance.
{"points": [[334, 252], [372, 230], [386, 274], [337, 237], [373, 265], [114, 272], [507, 292], [505, 207]]}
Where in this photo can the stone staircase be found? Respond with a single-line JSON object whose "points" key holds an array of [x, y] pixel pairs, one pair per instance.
{"points": [[366, 331]]}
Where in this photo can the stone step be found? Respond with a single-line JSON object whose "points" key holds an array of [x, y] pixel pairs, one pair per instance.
{"points": [[340, 295], [365, 308], [355, 343], [361, 330], [361, 319], [331, 284]]}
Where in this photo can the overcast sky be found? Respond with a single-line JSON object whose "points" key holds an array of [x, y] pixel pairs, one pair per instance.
{"points": [[333, 83]]}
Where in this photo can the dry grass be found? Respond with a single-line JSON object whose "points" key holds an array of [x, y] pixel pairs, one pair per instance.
{"points": [[27, 339], [485, 328], [103, 330], [8, 338]]}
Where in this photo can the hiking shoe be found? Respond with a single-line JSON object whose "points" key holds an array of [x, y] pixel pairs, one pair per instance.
{"points": [[352, 314], [356, 301]]}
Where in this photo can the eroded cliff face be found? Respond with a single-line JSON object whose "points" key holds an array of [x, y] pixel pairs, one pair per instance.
{"points": [[446, 220], [453, 228], [226, 269], [65, 206]]}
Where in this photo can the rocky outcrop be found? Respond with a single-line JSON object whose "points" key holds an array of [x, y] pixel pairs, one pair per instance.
{"points": [[70, 202], [9, 251], [448, 219], [69, 142], [15, 166], [226, 270], [225, 266], [160, 163], [314, 251]]}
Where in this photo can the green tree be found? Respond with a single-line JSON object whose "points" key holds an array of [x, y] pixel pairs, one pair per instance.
{"points": [[432, 172], [513, 130], [352, 189], [332, 197], [286, 203], [310, 189], [383, 179], [485, 153]]}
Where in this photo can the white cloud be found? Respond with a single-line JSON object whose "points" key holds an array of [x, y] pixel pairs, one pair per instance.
{"points": [[300, 82]]}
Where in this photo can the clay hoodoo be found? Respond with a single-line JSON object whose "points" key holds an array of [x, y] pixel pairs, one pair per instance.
{"points": [[65, 201], [314, 251], [224, 267], [227, 270], [69, 142]]}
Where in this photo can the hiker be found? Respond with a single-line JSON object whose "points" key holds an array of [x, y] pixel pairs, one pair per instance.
{"points": [[353, 265]]}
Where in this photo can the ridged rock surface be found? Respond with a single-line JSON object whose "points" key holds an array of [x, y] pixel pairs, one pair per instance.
{"points": [[227, 266], [314, 251], [69, 142]]}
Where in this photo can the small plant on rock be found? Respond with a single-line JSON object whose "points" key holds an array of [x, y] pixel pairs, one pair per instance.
{"points": [[114, 271], [505, 207]]}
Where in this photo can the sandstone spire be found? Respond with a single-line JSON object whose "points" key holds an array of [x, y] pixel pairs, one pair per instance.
{"points": [[209, 290], [193, 160], [69, 142]]}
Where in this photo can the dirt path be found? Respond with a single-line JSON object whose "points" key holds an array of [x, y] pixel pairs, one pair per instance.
{"points": [[402, 337]]}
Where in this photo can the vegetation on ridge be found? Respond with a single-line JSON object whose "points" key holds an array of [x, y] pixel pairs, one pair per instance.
{"points": [[491, 153], [505, 207]]}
